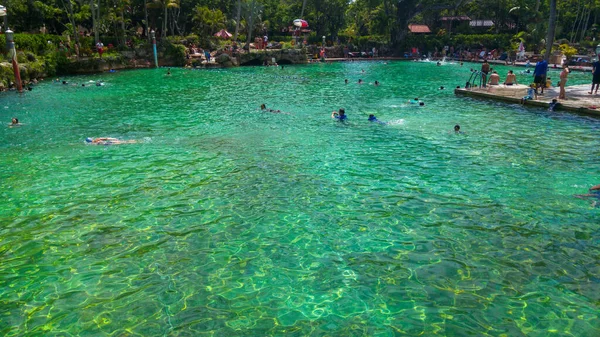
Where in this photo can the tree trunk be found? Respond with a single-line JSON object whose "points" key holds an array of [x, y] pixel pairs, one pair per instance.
{"points": [[146, 31], [123, 27], [405, 11], [303, 7], [250, 25], [237, 19], [94, 9], [165, 16], [551, 30]]}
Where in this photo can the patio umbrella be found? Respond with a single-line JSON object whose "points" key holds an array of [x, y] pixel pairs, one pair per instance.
{"points": [[300, 23], [223, 34]]}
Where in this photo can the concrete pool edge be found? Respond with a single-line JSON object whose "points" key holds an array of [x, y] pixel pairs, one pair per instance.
{"points": [[530, 103]]}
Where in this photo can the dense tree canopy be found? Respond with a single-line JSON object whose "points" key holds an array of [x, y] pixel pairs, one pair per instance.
{"points": [[387, 20]]}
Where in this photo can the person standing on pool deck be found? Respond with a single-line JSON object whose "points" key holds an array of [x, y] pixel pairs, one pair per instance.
{"points": [[563, 82], [595, 77], [539, 75], [485, 69]]}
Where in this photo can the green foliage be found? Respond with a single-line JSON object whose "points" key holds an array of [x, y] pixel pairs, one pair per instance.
{"points": [[567, 50], [176, 52], [208, 21]]}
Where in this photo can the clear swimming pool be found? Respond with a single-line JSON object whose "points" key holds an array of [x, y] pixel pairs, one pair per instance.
{"points": [[228, 221]]}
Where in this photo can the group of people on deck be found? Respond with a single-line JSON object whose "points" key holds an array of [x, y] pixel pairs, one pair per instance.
{"points": [[540, 79]]}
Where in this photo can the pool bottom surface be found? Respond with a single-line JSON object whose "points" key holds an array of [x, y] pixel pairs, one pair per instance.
{"points": [[228, 221]]}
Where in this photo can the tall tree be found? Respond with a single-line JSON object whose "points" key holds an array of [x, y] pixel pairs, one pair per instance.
{"points": [[551, 30], [237, 19], [253, 11]]}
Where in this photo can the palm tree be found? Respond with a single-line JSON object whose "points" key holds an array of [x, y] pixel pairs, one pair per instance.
{"points": [[253, 10], [166, 5], [237, 19], [551, 30]]}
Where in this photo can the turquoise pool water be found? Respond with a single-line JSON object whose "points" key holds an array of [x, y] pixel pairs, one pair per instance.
{"points": [[227, 221]]}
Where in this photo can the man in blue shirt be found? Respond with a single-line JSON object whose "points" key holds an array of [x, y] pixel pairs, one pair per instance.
{"points": [[539, 75], [595, 77]]}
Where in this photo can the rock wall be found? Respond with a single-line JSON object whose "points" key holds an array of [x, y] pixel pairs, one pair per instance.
{"points": [[281, 56]]}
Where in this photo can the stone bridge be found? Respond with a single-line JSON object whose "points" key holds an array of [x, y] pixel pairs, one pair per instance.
{"points": [[281, 56]]}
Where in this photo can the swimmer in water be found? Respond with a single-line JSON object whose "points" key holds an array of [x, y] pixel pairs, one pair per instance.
{"points": [[169, 72], [14, 122], [414, 101], [263, 107], [346, 81], [421, 103], [457, 129], [442, 88], [108, 141], [376, 83], [340, 115], [359, 81], [594, 193]]}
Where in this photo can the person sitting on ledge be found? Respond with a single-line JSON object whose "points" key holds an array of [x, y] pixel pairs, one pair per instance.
{"points": [[494, 78], [511, 78], [531, 94]]}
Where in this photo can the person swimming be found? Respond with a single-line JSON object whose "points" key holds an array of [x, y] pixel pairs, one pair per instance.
{"points": [[360, 81], [376, 83], [263, 107], [108, 141], [414, 101], [594, 192], [346, 81], [457, 129], [14, 122], [340, 115], [372, 118]]}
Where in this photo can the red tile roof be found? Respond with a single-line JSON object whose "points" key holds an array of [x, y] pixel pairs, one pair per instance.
{"points": [[419, 29]]}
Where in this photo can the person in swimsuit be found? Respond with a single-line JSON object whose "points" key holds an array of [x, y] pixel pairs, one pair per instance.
{"points": [[511, 78], [108, 141], [563, 82], [263, 107], [340, 115], [485, 69], [494, 78], [594, 192]]}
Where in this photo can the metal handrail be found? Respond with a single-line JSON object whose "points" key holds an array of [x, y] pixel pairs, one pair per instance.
{"points": [[473, 78]]}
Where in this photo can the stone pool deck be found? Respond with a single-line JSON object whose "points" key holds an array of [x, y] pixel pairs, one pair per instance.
{"points": [[578, 100]]}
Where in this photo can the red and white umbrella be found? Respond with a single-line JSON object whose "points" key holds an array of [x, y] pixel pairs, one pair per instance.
{"points": [[223, 34], [301, 23]]}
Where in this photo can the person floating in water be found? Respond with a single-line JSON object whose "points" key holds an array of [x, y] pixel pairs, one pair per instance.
{"points": [[594, 192], [340, 115], [346, 81], [263, 107], [376, 83], [359, 81], [15, 122], [169, 72], [457, 129], [108, 141], [374, 119]]}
